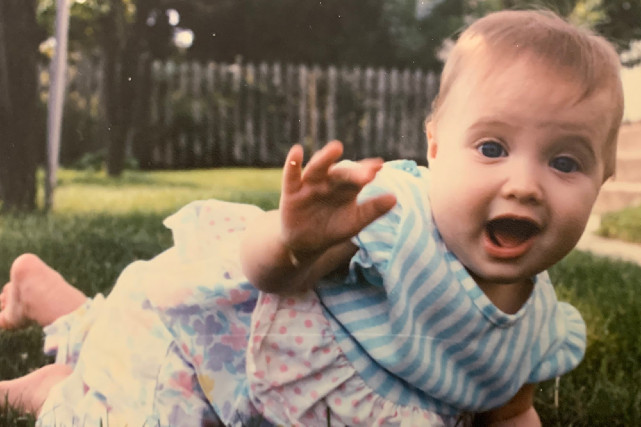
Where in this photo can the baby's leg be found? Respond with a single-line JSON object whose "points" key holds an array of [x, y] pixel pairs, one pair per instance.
{"points": [[28, 393], [35, 292]]}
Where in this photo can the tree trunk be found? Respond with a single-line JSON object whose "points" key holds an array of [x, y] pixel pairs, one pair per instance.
{"points": [[125, 53], [21, 144], [113, 45]]}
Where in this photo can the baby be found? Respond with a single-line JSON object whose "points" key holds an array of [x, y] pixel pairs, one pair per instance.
{"points": [[445, 307], [397, 295]]}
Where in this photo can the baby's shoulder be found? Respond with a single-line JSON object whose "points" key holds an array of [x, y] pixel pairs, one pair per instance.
{"points": [[400, 177], [407, 166]]}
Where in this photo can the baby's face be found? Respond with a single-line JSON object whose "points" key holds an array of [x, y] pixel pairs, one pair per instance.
{"points": [[516, 165]]}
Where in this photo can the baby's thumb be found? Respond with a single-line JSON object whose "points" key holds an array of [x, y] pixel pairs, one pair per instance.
{"points": [[375, 207]]}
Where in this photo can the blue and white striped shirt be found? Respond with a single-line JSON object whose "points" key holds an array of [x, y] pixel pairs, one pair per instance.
{"points": [[418, 329]]}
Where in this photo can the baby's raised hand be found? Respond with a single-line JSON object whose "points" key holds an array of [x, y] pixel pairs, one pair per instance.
{"points": [[318, 205]]}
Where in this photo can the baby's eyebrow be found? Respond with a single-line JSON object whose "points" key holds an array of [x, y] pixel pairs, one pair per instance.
{"points": [[574, 133], [493, 122], [583, 143]]}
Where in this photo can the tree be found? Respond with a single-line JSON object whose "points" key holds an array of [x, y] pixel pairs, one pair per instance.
{"points": [[126, 40], [127, 35], [621, 23], [616, 20], [383, 33], [21, 144]]}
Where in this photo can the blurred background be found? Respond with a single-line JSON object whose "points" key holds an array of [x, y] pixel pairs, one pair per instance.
{"points": [[181, 84]]}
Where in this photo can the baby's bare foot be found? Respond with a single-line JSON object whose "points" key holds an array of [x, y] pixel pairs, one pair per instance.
{"points": [[11, 311], [28, 393], [35, 292]]}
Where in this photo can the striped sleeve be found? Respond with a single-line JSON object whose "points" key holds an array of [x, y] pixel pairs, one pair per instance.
{"points": [[567, 349], [377, 240]]}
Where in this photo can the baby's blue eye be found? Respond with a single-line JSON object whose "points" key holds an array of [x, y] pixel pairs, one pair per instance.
{"points": [[492, 149], [565, 164]]}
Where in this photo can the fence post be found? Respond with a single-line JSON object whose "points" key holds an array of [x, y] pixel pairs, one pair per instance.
{"points": [[302, 106], [209, 126], [404, 143], [170, 71], [250, 114], [278, 118], [330, 110], [381, 129], [313, 109], [261, 111], [237, 72], [250, 97], [369, 101]]}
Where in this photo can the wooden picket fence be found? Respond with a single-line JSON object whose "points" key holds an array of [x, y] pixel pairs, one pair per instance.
{"points": [[232, 114], [216, 114]]}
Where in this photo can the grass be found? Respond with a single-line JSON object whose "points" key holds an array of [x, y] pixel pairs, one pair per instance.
{"points": [[624, 224], [606, 388], [100, 224]]}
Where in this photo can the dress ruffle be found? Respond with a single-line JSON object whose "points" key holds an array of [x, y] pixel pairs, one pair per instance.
{"points": [[299, 376]]}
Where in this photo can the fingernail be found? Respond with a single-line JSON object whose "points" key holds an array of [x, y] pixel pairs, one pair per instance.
{"points": [[292, 162]]}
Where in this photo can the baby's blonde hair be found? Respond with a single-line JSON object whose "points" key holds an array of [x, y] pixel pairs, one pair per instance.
{"points": [[576, 54]]}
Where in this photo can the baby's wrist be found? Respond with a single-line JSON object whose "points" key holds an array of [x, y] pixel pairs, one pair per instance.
{"points": [[293, 259], [300, 258]]}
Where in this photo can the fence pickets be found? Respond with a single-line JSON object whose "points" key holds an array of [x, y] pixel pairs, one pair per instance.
{"points": [[218, 114]]}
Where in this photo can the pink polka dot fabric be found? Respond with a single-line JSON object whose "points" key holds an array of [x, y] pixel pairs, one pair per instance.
{"points": [[299, 376]]}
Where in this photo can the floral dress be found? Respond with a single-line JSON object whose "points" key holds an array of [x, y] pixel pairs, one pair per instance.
{"points": [[167, 346]]}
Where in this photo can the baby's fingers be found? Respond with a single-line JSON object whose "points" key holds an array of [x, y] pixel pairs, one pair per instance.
{"points": [[321, 161], [356, 173], [373, 208], [292, 169]]}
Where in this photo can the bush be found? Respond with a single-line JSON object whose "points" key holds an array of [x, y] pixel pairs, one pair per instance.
{"points": [[624, 224]]}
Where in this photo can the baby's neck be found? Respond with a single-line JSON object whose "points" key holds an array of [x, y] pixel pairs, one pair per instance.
{"points": [[507, 297]]}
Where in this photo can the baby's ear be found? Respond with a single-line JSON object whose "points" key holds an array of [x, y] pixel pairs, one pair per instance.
{"points": [[432, 146]]}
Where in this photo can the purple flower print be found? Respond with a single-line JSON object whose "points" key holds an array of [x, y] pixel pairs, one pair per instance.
{"points": [[178, 416], [181, 314], [219, 355], [206, 329]]}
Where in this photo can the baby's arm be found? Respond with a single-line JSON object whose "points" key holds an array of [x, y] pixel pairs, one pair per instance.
{"points": [[518, 412], [287, 250]]}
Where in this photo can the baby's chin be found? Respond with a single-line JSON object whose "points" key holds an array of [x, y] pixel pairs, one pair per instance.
{"points": [[498, 279]]}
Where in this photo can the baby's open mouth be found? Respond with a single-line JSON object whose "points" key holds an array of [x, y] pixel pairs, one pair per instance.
{"points": [[511, 232]]}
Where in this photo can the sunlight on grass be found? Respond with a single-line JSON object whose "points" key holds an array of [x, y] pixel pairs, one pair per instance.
{"points": [[624, 224], [604, 389], [162, 191]]}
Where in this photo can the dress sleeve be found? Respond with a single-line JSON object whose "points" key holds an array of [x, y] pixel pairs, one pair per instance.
{"points": [[567, 345], [376, 241], [205, 226]]}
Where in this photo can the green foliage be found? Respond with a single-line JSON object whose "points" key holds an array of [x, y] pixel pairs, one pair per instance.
{"points": [[97, 160], [621, 25], [10, 417], [337, 32], [624, 224], [80, 128], [617, 20], [606, 388], [561, 7]]}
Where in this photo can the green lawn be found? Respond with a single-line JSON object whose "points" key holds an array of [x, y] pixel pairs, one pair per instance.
{"points": [[624, 224], [99, 225]]}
